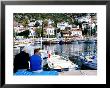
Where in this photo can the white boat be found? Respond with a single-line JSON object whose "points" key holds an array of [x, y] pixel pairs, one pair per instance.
{"points": [[58, 62], [44, 54]]}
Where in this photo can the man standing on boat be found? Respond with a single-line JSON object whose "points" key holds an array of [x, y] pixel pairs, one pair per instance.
{"points": [[36, 61]]}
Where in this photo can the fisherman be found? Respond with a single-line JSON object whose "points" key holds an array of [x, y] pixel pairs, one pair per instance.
{"points": [[36, 61]]}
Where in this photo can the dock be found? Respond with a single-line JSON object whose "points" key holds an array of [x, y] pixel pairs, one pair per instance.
{"points": [[79, 72]]}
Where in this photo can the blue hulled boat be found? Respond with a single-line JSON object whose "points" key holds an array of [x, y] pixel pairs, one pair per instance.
{"points": [[89, 61]]}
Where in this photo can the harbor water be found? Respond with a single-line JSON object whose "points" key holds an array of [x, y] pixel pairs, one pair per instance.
{"points": [[73, 52]]}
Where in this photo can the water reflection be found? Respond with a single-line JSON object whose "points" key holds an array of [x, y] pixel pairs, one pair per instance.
{"points": [[73, 52], [72, 49]]}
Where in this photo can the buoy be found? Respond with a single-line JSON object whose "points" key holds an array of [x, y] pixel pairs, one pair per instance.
{"points": [[48, 54]]}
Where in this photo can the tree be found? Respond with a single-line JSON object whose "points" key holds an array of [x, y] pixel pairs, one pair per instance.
{"points": [[14, 34], [45, 23], [25, 22], [85, 31], [61, 34], [58, 30], [55, 31], [24, 33], [38, 32]]}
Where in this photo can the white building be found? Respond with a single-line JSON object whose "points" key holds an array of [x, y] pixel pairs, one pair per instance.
{"points": [[50, 30], [50, 22], [40, 22], [19, 28], [93, 25], [62, 25], [85, 18], [77, 33], [32, 31], [66, 34], [31, 24]]}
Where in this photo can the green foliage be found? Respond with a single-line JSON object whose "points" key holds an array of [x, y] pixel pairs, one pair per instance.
{"points": [[24, 33], [56, 17], [76, 22], [55, 31], [14, 33], [45, 23], [38, 32], [24, 18], [25, 22], [58, 30], [51, 36], [85, 31]]}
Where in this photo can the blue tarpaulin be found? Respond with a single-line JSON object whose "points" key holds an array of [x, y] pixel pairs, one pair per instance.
{"points": [[35, 73]]}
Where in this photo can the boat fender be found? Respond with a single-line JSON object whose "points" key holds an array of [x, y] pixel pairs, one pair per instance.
{"points": [[48, 54]]}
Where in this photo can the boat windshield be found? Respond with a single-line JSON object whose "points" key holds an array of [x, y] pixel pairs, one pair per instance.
{"points": [[64, 57]]}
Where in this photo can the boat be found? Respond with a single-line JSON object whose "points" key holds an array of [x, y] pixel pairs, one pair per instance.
{"points": [[89, 41], [68, 42], [37, 42], [44, 54], [74, 41], [89, 62], [59, 63], [61, 42], [81, 41], [55, 41], [46, 42]]}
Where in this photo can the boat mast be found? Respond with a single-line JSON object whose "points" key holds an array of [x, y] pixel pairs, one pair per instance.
{"points": [[42, 36]]}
